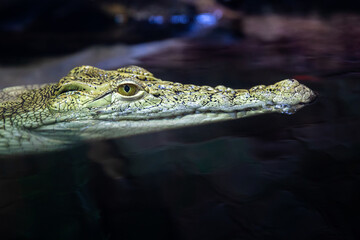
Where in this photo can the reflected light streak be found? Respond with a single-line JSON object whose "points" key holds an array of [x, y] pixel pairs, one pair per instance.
{"points": [[207, 19]]}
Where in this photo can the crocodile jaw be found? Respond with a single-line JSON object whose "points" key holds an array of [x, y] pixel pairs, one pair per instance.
{"points": [[128, 126], [131, 127]]}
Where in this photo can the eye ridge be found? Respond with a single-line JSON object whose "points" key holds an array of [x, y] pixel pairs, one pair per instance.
{"points": [[70, 88]]}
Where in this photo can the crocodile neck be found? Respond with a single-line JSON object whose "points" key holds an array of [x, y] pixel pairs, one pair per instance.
{"points": [[90, 103]]}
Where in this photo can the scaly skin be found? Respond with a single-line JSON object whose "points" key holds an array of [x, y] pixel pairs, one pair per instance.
{"points": [[90, 103]]}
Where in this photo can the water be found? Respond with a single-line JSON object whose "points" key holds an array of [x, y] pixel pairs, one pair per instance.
{"points": [[265, 177]]}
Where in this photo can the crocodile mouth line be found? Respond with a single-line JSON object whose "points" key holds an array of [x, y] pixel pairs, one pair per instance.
{"points": [[225, 114]]}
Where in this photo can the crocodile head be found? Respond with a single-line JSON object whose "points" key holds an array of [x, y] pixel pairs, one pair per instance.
{"points": [[90, 103], [94, 103]]}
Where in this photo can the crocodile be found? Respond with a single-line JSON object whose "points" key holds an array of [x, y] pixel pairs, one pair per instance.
{"points": [[91, 103]]}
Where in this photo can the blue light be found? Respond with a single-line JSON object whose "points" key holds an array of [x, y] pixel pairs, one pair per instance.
{"points": [[156, 20], [179, 19], [206, 19]]}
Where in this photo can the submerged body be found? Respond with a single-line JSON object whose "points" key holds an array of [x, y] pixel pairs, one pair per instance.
{"points": [[90, 103]]}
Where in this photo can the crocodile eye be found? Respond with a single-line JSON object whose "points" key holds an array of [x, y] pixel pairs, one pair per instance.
{"points": [[128, 89]]}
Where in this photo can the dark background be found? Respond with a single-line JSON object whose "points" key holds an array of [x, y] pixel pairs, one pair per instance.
{"points": [[266, 177]]}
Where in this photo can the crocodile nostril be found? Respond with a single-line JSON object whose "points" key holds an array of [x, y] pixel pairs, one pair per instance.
{"points": [[311, 98]]}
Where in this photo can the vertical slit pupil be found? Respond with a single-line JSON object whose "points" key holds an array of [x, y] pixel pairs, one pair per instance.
{"points": [[126, 88]]}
